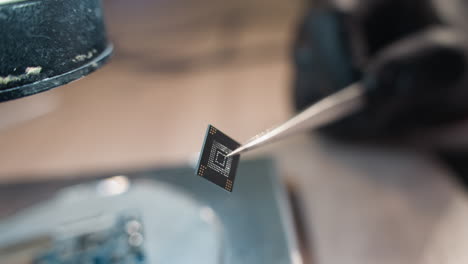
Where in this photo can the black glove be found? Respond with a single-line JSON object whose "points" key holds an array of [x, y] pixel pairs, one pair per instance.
{"points": [[411, 64]]}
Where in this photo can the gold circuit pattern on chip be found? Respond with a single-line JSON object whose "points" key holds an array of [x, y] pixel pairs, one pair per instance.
{"points": [[212, 130], [201, 171], [228, 185]]}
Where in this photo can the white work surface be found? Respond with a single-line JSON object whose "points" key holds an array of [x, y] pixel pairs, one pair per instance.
{"points": [[185, 64]]}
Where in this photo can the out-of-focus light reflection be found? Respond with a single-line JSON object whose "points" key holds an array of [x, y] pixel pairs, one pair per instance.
{"points": [[135, 239], [9, 1], [207, 214], [133, 227], [296, 257], [346, 5], [113, 186]]}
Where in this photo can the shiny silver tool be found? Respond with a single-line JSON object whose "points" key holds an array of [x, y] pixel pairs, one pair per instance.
{"points": [[331, 108]]}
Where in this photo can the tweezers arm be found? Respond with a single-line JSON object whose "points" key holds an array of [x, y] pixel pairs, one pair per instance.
{"points": [[331, 108]]}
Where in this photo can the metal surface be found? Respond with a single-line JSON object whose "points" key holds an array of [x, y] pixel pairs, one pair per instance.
{"points": [[48, 43], [329, 109], [256, 219]]}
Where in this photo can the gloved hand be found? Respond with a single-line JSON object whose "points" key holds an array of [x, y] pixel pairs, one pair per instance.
{"points": [[412, 65]]}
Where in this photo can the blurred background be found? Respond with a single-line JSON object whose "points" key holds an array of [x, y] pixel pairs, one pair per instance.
{"points": [[183, 64], [178, 66]]}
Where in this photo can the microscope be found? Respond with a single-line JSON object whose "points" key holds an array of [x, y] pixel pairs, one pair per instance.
{"points": [[48, 43]]}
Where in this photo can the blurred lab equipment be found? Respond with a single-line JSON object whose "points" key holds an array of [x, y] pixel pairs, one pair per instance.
{"points": [[152, 216], [49, 43]]}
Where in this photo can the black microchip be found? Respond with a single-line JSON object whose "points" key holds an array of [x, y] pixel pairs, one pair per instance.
{"points": [[213, 164]]}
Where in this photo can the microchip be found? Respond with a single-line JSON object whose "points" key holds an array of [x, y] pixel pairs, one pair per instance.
{"points": [[214, 165]]}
